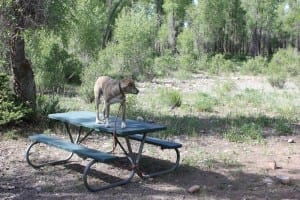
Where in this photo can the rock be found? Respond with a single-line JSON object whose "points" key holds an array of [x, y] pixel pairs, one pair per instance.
{"points": [[291, 140], [286, 180], [194, 189], [272, 164]]}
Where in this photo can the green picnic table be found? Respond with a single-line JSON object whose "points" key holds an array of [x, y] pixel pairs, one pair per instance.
{"points": [[135, 130]]}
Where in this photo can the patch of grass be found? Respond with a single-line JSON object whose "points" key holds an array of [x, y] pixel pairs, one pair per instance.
{"points": [[11, 134], [170, 97], [228, 160], [205, 102], [193, 158], [283, 128], [246, 133], [225, 88], [249, 97]]}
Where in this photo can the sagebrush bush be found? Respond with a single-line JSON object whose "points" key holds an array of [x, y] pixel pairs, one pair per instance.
{"points": [[10, 108]]}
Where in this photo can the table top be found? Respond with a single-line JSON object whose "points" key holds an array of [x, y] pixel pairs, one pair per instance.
{"points": [[87, 119]]}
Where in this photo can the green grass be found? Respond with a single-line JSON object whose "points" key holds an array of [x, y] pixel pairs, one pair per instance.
{"points": [[205, 102], [246, 133], [238, 115], [170, 97]]}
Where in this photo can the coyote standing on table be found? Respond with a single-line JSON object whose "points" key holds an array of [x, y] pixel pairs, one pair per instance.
{"points": [[113, 91]]}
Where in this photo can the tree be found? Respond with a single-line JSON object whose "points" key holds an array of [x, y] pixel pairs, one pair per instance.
{"points": [[260, 18], [20, 15], [290, 20], [173, 22]]}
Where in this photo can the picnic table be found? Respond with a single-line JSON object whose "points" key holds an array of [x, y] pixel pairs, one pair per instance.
{"points": [[135, 130]]}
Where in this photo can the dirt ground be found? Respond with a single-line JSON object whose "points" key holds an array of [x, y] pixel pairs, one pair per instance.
{"points": [[241, 172], [221, 169]]}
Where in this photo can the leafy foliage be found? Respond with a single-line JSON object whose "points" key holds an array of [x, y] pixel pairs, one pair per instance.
{"points": [[47, 105], [10, 109]]}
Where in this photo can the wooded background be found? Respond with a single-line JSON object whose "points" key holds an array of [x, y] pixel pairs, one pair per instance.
{"points": [[46, 44]]}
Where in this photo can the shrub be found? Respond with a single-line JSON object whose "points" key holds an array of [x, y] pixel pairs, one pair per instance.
{"points": [[288, 60], [285, 62], [187, 62], [164, 64], [47, 105], [134, 38], [218, 64], [255, 65], [10, 109], [53, 65], [205, 102]]}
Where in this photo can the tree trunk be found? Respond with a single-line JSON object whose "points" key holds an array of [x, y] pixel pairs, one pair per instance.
{"points": [[114, 9], [298, 42], [172, 32], [159, 11], [254, 43], [23, 78]]}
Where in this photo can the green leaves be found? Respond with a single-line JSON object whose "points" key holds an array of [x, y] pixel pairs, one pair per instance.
{"points": [[10, 109]]}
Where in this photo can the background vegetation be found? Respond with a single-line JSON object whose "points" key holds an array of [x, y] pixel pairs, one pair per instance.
{"points": [[70, 43]]}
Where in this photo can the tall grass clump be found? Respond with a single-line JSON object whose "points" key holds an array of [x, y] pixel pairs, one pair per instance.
{"points": [[170, 97], [205, 102], [223, 89]]}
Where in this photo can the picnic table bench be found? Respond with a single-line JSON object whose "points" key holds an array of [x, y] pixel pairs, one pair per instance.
{"points": [[135, 130]]}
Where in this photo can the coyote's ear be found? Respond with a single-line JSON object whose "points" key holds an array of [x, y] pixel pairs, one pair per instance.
{"points": [[126, 83]]}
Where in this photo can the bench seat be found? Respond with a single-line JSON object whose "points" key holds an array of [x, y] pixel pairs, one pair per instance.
{"points": [[71, 147], [164, 144]]}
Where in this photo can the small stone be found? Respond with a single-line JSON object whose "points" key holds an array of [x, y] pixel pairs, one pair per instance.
{"points": [[194, 189], [284, 179], [272, 164], [291, 140]]}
